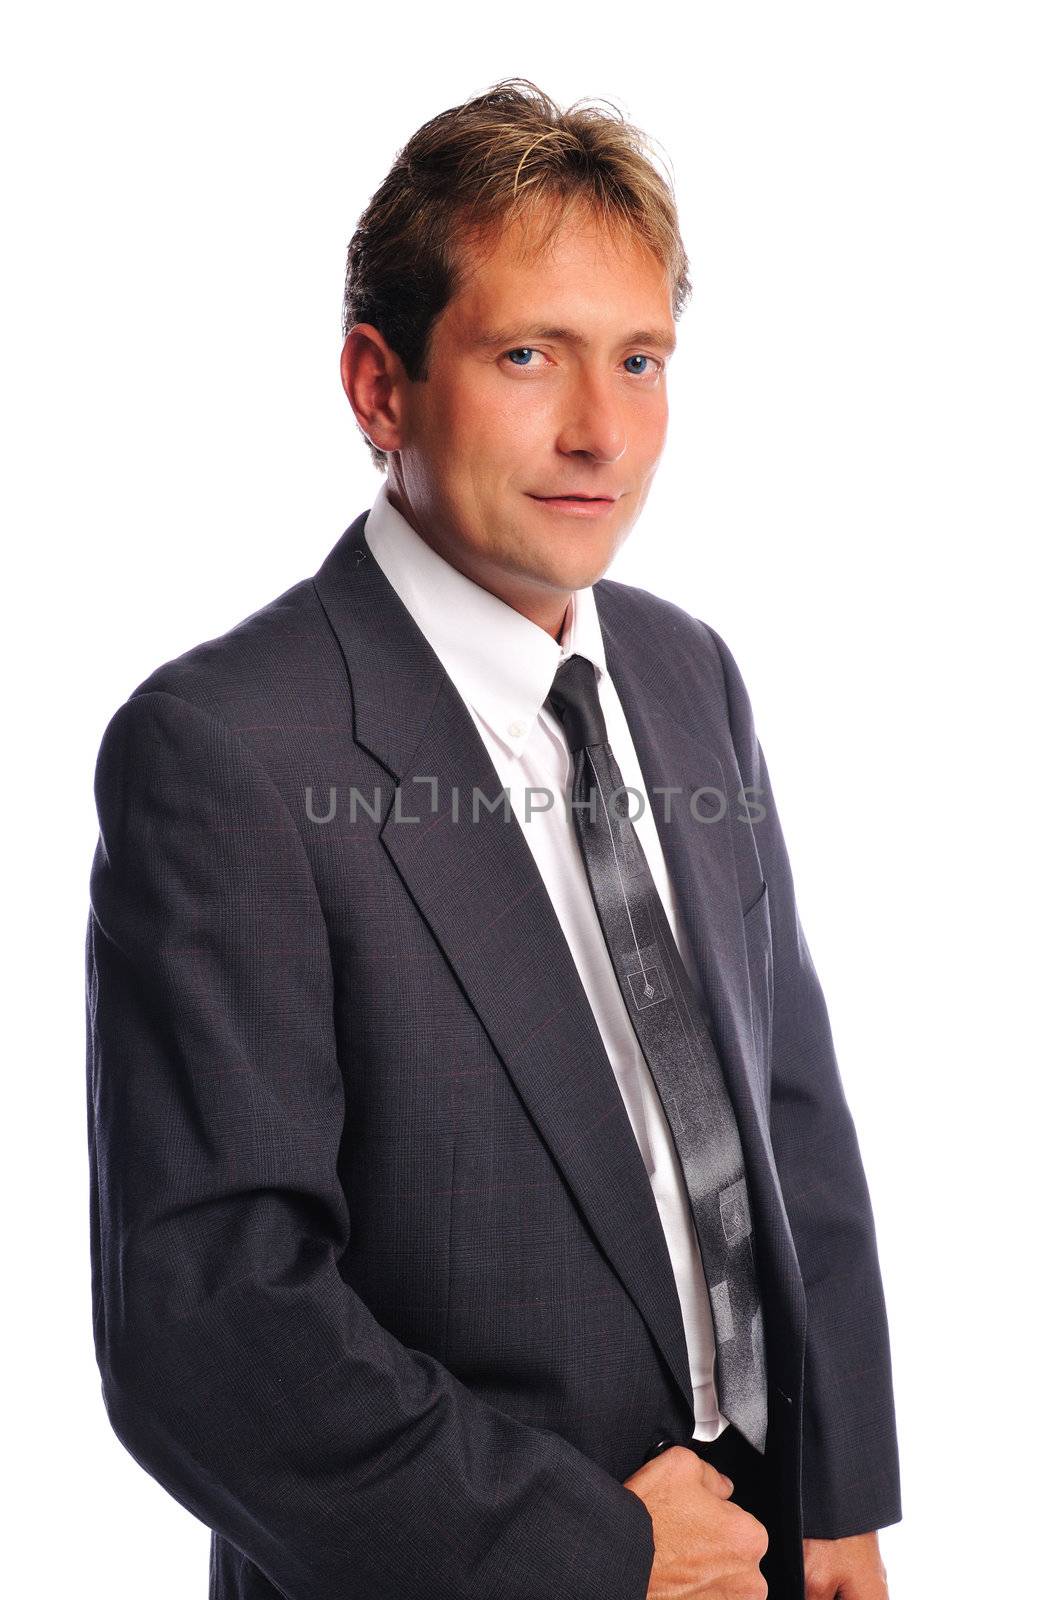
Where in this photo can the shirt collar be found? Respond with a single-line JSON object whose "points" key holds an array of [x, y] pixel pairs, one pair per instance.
{"points": [[501, 663]]}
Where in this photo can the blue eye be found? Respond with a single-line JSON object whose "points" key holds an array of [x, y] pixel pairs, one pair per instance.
{"points": [[638, 358], [519, 350]]}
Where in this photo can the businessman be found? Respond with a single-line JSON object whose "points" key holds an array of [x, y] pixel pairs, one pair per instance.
{"points": [[475, 1206]]}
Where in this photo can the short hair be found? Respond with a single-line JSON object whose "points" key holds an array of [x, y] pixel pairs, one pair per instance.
{"points": [[473, 168]]}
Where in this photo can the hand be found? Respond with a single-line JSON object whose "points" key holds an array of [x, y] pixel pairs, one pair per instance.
{"points": [[706, 1547], [851, 1568]]}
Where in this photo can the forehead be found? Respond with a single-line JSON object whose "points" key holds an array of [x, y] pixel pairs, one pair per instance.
{"points": [[524, 267]]}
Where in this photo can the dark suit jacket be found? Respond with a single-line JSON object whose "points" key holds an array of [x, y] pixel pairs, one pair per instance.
{"points": [[380, 1290]]}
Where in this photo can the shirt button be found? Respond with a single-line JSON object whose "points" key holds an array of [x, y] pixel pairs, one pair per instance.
{"points": [[518, 729]]}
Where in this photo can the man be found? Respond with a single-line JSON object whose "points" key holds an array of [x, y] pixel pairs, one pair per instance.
{"points": [[476, 1208]]}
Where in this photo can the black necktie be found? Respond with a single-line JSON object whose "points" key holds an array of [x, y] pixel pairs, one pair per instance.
{"points": [[673, 1031]]}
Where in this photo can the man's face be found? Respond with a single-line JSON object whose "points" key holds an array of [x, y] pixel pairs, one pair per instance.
{"points": [[545, 381]]}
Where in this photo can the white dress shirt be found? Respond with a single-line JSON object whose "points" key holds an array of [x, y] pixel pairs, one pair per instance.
{"points": [[503, 665]]}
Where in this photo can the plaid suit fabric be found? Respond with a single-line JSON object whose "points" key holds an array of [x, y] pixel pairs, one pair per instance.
{"points": [[379, 1292]]}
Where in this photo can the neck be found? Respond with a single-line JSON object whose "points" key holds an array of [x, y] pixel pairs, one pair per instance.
{"points": [[544, 608]]}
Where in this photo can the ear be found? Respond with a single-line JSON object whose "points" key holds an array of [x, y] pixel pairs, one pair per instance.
{"points": [[372, 376]]}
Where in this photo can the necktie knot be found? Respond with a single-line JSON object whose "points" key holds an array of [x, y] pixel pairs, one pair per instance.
{"points": [[573, 699]]}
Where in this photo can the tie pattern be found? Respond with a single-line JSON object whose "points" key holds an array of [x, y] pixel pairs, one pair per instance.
{"points": [[673, 1031]]}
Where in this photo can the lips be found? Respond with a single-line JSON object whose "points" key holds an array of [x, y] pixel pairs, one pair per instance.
{"points": [[593, 497]]}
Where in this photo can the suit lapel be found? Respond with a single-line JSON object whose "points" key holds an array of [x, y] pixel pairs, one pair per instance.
{"points": [[697, 840], [711, 888], [475, 881]]}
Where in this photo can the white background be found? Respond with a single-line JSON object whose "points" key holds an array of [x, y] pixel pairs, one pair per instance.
{"points": [[861, 492]]}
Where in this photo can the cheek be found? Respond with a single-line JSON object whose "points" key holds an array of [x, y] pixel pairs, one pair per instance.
{"points": [[515, 419], [650, 423], [488, 423], [498, 455]]}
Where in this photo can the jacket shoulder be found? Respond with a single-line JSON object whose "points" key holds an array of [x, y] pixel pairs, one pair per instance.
{"points": [[264, 667], [669, 630], [692, 668]]}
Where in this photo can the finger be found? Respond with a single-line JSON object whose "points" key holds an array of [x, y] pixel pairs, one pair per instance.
{"points": [[717, 1481]]}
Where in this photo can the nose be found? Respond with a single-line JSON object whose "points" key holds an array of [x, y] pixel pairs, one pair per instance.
{"points": [[594, 423]]}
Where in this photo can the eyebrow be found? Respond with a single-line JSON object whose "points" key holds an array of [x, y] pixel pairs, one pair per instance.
{"points": [[514, 337]]}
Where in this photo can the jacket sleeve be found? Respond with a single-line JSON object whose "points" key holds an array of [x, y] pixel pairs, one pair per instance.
{"points": [[850, 1466], [238, 1366]]}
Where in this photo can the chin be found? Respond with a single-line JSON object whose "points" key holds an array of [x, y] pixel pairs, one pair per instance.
{"points": [[581, 577], [575, 564]]}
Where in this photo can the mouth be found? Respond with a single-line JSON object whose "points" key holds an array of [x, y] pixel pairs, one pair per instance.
{"points": [[593, 499], [576, 505]]}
